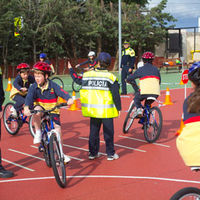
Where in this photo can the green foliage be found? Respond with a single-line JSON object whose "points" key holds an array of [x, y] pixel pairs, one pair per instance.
{"points": [[71, 28]]}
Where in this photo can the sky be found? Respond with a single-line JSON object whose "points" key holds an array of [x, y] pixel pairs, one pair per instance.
{"points": [[185, 11]]}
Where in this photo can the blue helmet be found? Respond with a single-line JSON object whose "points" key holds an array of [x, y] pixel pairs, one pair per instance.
{"points": [[43, 55], [104, 58], [194, 73]]}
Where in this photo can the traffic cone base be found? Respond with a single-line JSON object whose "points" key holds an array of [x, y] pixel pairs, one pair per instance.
{"points": [[9, 87], [168, 98], [74, 106]]}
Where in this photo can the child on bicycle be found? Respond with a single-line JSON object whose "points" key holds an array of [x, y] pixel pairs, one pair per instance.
{"points": [[149, 79], [188, 142], [20, 87], [44, 94], [100, 100], [92, 61]]}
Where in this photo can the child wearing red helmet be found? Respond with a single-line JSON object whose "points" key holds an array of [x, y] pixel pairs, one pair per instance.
{"points": [[149, 77], [44, 94], [20, 87]]}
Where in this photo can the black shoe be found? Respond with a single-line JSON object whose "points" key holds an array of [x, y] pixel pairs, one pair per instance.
{"points": [[5, 173]]}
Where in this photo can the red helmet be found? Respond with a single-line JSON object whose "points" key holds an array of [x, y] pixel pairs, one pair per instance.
{"points": [[23, 66], [43, 67], [148, 55]]}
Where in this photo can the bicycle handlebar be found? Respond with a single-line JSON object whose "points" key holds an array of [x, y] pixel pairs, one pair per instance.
{"points": [[46, 111]]}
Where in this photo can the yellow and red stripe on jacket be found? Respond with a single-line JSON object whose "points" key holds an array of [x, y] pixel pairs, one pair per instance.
{"points": [[150, 85]]}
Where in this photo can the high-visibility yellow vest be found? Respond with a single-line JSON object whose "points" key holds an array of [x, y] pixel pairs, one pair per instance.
{"points": [[95, 95]]}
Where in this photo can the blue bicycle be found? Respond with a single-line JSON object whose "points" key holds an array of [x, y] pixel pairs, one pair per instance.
{"points": [[13, 123], [51, 144], [151, 120]]}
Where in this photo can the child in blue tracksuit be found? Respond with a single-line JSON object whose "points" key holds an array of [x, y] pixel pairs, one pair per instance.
{"points": [[20, 87]]}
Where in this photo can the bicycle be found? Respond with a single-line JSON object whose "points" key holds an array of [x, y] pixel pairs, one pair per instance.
{"points": [[51, 145], [187, 193], [75, 86], [151, 120], [11, 123], [58, 80]]}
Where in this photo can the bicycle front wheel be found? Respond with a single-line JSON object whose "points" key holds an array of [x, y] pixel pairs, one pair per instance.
{"points": [[129, 117], [11, 123], [57, 161], [58, 81], [186, 193], [76, 87], [153, 125]]}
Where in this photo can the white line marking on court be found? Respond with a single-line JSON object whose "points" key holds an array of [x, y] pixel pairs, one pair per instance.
{"points": [[163, 145], [67, 155], [18, 165], [66, 145], [118, 145], [105, 176], [26, 154]]}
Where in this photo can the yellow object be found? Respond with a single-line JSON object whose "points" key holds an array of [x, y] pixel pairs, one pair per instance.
{"points": [[96, 98], [181, 82], [188, 144], [167, 98], [74, 105], [181, 127], [9, 87], [18, 23], [61, 100]]}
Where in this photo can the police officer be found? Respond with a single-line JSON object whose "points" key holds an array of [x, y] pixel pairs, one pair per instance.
{"points": [[127, 64], [3, 172], [100, 100]]}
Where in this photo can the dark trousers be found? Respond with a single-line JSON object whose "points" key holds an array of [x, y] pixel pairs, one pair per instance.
{"points": [[124, 74], [108, 131], [138, 98], [20, 100]]}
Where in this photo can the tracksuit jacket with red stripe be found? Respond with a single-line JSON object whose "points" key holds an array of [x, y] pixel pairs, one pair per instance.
{"points": [[148, 75], [47, 97]]}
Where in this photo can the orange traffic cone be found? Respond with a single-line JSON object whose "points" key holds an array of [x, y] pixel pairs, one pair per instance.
{"points": [[181, 127], [181, 82], [167, 98], [9, 87], [61, 100], [74, 105]]}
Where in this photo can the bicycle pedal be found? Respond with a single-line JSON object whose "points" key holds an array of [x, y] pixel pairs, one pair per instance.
{"points": [[41, 149]]}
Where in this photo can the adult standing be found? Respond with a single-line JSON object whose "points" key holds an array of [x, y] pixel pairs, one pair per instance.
{"points": [[3, 172], [100, 100], [127, 64], [43, 58]]}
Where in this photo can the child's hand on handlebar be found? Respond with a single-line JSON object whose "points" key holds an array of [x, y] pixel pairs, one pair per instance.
{"points": [[27, 111], [70, 101]]}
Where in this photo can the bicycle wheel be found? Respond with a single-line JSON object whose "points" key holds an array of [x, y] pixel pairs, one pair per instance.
{"points": [[76, 87], [129, 117], [187, 193], [153, 125], [11, 123], [58, 81], [31, 126], [57, 161]]}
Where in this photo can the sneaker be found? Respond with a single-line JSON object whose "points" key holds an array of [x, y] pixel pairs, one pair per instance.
{"points": [[66, 159], [92, 157], [139, 112], [13, 112], [5, 173], [195, 168], [113, 157], [37, 138]]}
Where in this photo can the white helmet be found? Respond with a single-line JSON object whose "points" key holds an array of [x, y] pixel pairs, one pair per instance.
{"points": [[91, 53]]}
